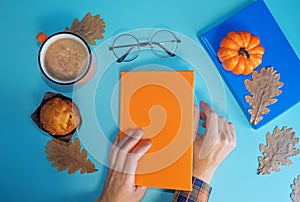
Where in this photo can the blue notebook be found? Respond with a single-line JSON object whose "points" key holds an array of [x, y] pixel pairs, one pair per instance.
{"points": [[258, 20]]}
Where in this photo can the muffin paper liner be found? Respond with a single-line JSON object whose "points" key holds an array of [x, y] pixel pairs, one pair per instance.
{"points": [[35, 116]]}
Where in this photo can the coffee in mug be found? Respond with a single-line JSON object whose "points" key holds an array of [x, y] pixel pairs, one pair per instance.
{"points": [[65, 58]]}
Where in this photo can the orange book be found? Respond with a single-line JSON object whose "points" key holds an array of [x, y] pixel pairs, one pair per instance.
{"points": [[161, 103]]}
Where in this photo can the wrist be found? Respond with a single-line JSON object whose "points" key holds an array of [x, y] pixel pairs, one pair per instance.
{"points": [[98, 200], [204, 174], [101, 199]]}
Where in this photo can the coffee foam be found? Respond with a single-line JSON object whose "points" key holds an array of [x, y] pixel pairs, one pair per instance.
{"points": [[48, 71]]}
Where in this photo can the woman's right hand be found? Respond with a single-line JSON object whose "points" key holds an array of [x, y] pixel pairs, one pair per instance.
{"points": [[211, 148]]}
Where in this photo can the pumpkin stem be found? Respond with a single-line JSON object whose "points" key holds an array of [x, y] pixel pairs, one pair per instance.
{"points": [[243, 52]]}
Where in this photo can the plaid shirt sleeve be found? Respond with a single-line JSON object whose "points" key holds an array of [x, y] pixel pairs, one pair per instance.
{"points": [[200, 192]]}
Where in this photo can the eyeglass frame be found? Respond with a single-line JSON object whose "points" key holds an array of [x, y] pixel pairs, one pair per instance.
{"points": [[143, 44]]}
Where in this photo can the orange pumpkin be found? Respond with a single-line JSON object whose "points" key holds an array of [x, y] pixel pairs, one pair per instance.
{"points": [[240, 52]]}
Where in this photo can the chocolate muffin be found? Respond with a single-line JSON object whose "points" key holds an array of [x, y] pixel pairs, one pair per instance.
{"points": [[59, 116]]}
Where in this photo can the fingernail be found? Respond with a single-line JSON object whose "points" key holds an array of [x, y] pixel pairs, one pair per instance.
{"points": [[148, 143], [129, 132], [116, 140], [138, 133]]}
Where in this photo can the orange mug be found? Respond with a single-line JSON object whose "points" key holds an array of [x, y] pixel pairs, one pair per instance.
{"points": [[65, 59]]}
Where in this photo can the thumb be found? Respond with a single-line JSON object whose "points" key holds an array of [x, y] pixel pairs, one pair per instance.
{"points": [[211, 136], [196, 121], [141, 189]]}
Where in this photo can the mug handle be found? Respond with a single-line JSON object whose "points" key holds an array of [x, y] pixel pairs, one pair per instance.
{"points": [[41, 37]]}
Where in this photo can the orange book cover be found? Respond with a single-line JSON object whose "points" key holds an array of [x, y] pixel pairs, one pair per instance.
{"points": [[161, 103]]}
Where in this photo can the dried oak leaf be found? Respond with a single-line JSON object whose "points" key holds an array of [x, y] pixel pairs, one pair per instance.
{"points": [[264, 87], [296, 190], [69, 156], [280, 146], [90, 28]]}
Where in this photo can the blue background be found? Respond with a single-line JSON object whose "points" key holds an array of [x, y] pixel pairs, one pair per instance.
{"points": [[25, 173]]}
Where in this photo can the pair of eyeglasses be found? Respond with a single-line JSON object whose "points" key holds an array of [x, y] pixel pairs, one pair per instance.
{"points": [[127, 47]]}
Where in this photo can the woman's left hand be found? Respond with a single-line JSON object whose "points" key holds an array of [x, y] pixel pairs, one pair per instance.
{"points": [[120, 180]]}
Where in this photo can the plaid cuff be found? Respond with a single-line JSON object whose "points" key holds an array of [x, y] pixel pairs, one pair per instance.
{"points": [[200, 193]]}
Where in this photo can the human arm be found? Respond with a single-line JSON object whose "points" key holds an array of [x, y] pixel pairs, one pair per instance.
{"points": [[209, 150], [119, 184]]}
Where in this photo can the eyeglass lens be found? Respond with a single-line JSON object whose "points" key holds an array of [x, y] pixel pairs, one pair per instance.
{"points": [[164, 43], [123, 52]]}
